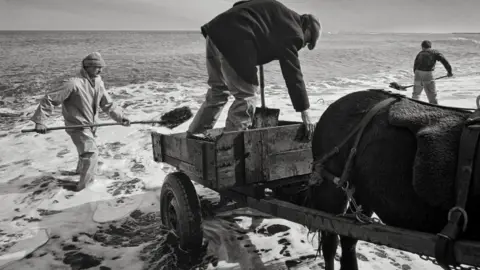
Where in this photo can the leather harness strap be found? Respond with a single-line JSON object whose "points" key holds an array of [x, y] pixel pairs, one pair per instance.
{"points": [[358, 130], [469, 140], [444, 247]]}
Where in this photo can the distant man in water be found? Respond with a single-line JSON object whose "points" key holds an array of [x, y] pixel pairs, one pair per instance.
{"points": [[80, 97], [249, 34], [423, 68]]}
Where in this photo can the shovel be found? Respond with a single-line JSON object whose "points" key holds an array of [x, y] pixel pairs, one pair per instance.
{"points": [[170, 120], [397, 86], [265, 117]]}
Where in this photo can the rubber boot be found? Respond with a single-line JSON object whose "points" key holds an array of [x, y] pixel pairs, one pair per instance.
{"points": [[79, 165], [88, 170]]}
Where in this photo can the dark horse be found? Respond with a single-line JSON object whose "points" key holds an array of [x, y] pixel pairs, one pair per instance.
{"points": [[404, 169]]}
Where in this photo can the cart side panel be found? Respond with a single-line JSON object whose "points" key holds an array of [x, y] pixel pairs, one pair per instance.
{"points": [[230, 160], [191, 170], [283, 138], [209, 165], [275, 153], [193, 157], [287, 156], [179, 147], [291, 163], [255, 156], [157, 141]]}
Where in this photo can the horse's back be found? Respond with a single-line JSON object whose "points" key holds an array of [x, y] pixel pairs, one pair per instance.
{"points": [[383, 166]]}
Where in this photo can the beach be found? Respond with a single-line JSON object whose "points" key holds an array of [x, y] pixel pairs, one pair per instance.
{"points": [[115, 223]]}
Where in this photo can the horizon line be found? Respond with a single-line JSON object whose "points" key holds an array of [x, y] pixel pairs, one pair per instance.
{"points": [[199, 31]]}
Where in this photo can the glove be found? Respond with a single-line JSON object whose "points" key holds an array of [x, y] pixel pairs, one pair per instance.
{"points": [[40, 128]]}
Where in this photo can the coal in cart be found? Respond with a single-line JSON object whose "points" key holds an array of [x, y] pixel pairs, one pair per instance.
{"points": [[243, 165]]}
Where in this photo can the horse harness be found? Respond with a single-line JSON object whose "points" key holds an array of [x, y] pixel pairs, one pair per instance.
{"points": [[457, 216]]}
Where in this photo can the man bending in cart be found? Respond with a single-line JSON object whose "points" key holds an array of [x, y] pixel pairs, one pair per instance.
{"points": [[80, 97], [249, 34]]}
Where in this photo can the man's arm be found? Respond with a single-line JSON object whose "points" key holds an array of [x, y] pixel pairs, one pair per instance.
{"points": [[292, 73], [443, 60], [110, 107], [415, 63], [51, 99]]}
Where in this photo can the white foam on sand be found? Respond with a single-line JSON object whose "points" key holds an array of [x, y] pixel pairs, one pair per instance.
{"points": [[125, 194]]}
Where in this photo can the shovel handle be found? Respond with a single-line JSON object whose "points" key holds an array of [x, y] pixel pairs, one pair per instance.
{"points": [[262, 86], [95, 125], [404, 88]]}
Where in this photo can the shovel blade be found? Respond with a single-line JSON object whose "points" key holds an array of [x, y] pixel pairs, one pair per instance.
{"points": [[265, 117]]}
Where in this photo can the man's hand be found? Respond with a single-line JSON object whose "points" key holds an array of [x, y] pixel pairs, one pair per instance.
{"points": [[39, 128], [125, 122], [309, 126], [450, 74]]}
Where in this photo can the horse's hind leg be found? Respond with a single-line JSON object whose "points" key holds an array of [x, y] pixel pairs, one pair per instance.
{"points": [[328, 198], [348, 261]]}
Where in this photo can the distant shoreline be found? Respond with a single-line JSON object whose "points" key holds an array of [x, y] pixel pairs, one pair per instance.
{"points": [[198, 31], [165, 31]]}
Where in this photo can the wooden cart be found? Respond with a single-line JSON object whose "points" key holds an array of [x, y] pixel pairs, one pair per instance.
{"points": [[242, 165]]}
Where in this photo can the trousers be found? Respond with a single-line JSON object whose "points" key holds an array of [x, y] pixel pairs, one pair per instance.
{"points": [[424, 80], [223, 81], [84, 141]]}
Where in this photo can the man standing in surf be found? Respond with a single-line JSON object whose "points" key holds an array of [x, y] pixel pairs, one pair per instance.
{"points": [[249, 34], [423, 68], [80, 97]]}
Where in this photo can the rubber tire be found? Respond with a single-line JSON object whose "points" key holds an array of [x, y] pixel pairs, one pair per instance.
{"points": [[188, 211]]}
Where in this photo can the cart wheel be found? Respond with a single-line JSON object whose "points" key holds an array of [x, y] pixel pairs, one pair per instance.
{"points": [[180, 210]]}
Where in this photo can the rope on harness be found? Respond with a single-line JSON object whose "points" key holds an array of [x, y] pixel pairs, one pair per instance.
{"points": [[358, 130], [342, 181]]}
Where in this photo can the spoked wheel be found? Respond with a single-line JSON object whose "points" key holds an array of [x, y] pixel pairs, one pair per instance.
{"points": [[180, 210]]}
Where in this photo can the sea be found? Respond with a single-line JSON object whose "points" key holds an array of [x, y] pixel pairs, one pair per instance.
{"points": [[114, 223]]}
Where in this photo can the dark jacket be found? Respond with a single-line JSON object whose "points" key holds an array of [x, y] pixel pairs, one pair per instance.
{"points": [[257, 32], [426, 60]]}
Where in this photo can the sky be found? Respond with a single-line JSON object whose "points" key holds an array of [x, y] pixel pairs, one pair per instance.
{"points": [[407, 16]]}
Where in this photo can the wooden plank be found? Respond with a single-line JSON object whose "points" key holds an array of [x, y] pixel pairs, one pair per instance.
{"points": [[209, 164], [184, 166], [194, 157], [225, 156], [291, 163], [254, 155], [287, 181], [282, 138], [230, 159], [194, 173], [286, 123], [466, 252], [157, 140], [177, 147], [266, 149], [224, 147], [186, 150], [226, 177]]}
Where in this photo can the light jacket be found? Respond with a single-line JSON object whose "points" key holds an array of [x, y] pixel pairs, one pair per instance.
{"points": [[80, 99]]}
